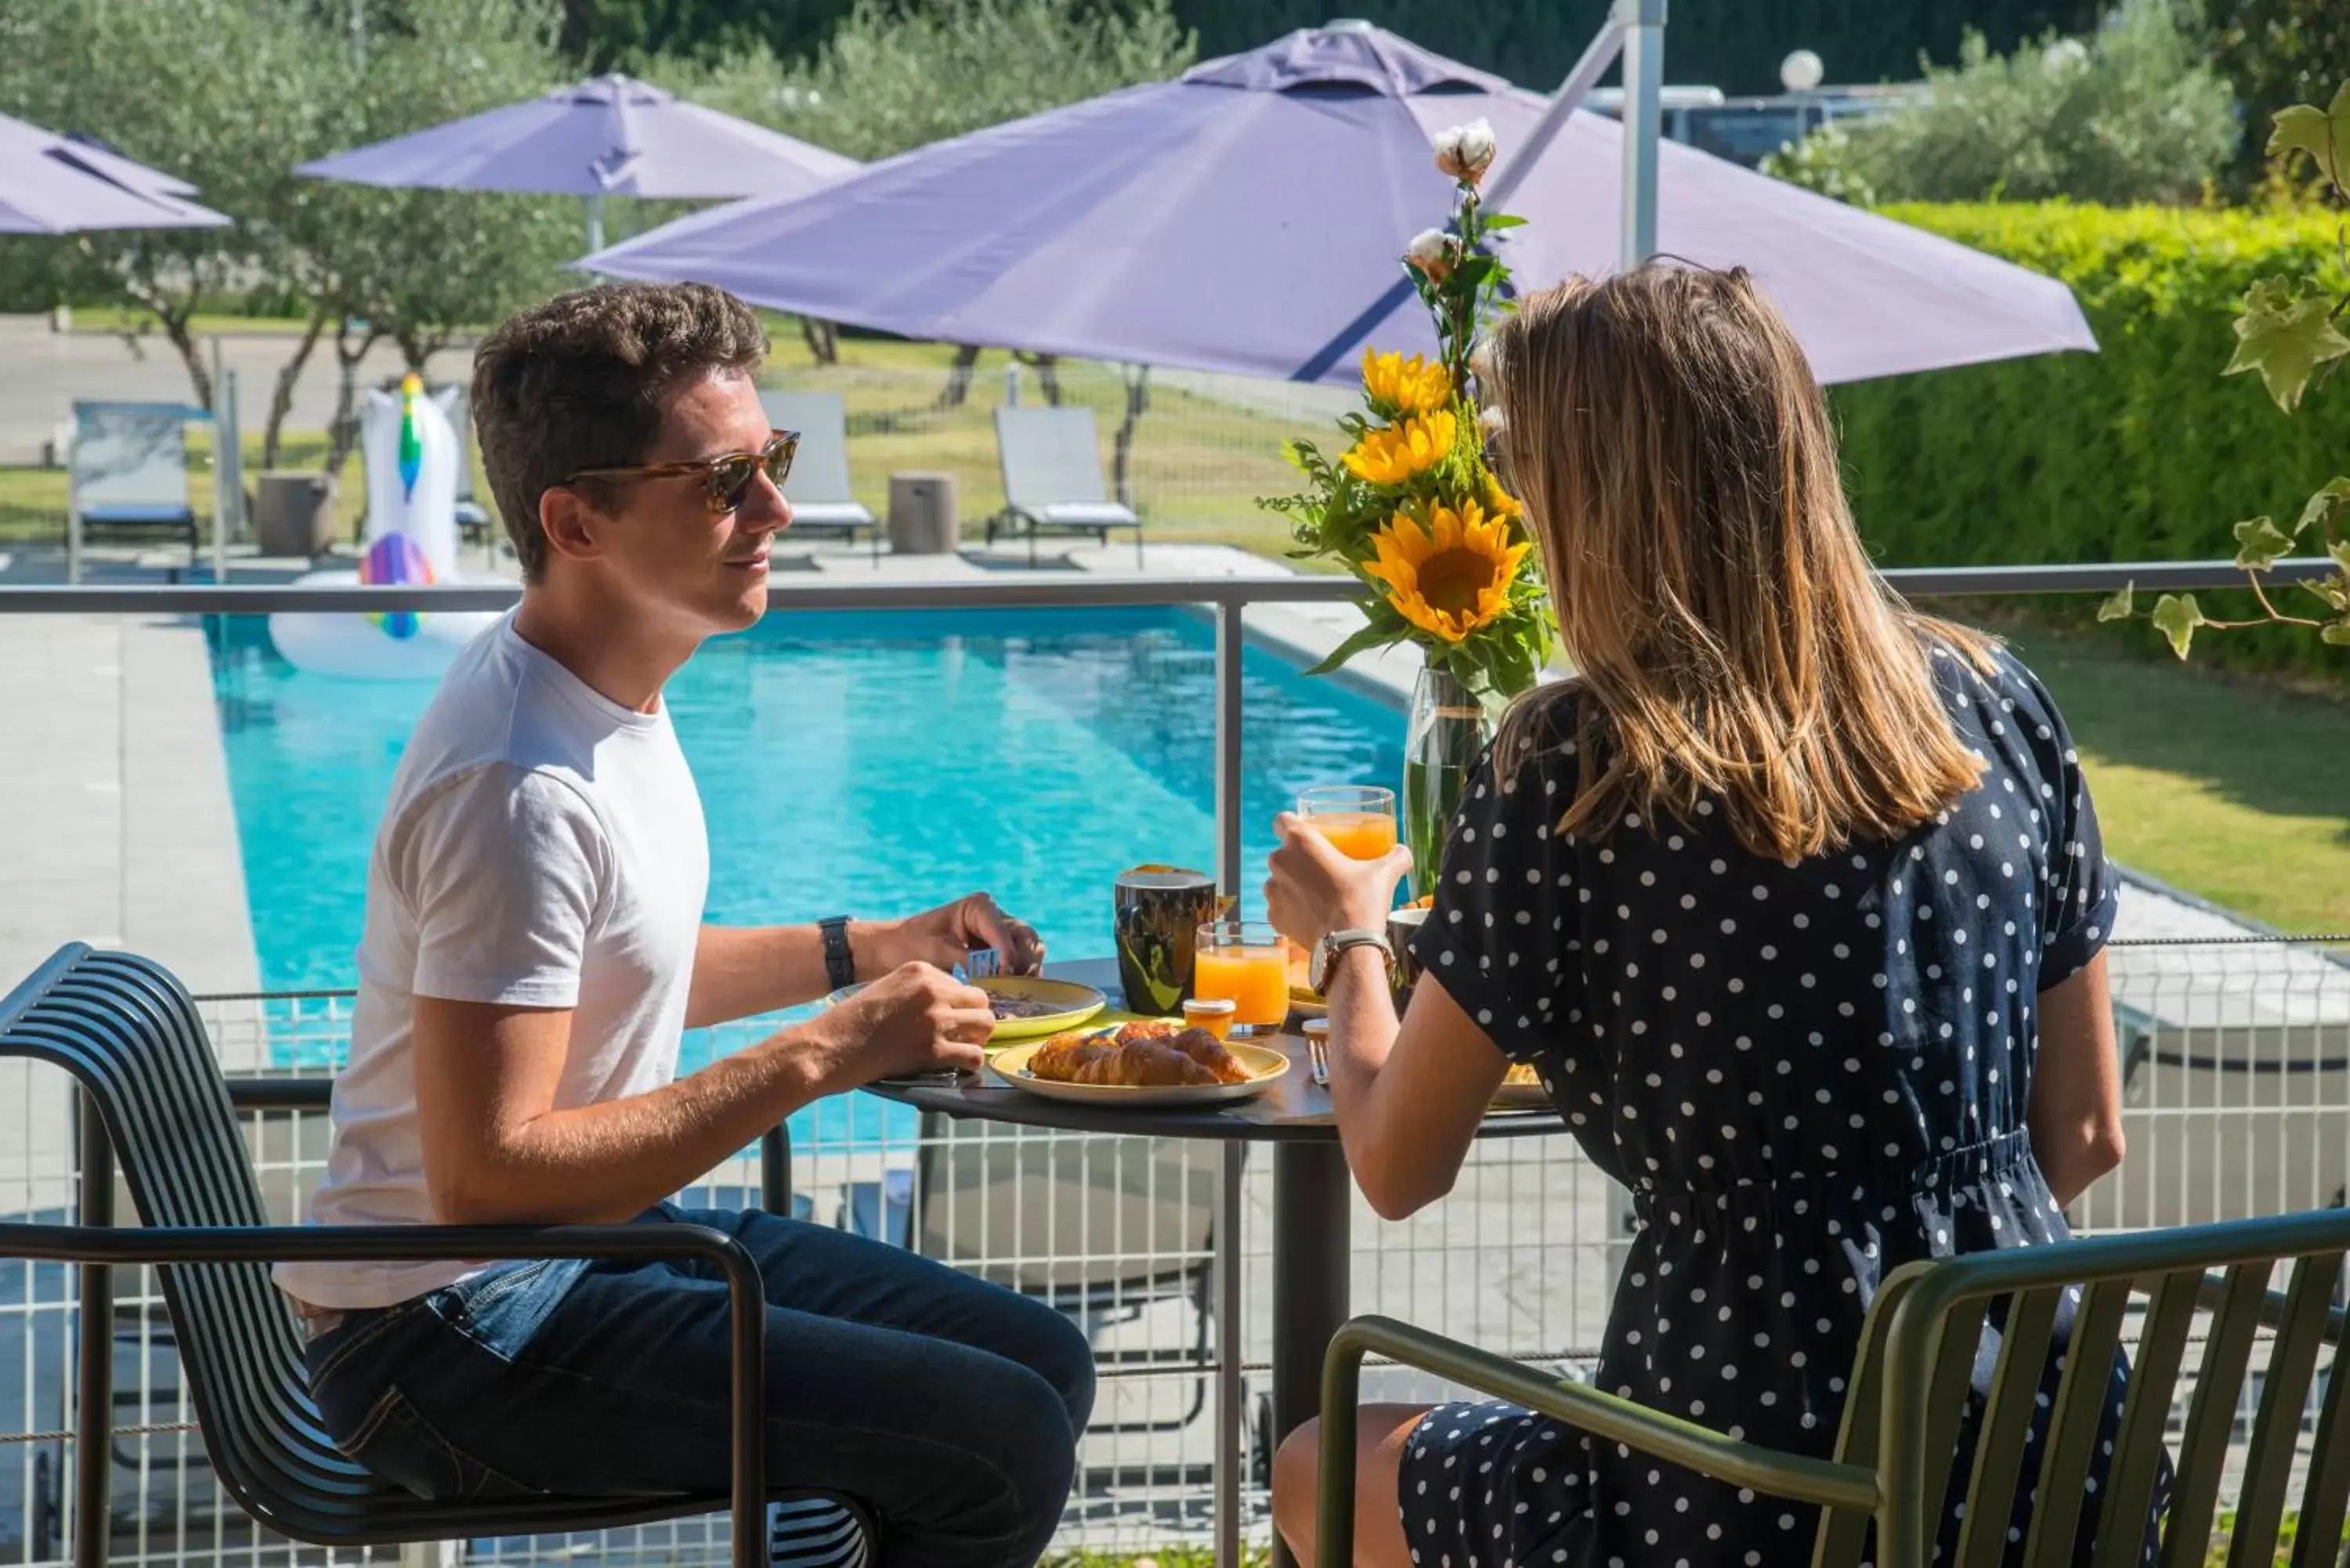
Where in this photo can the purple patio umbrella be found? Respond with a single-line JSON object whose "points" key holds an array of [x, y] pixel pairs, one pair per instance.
{"points": [[52, 184], [612, 136], [1249, 217]]}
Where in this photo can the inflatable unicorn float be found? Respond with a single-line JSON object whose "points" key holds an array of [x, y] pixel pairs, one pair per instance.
{"points": [[412, 453]]}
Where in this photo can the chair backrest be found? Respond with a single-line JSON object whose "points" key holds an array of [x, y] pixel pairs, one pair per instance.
{"points": [[820, 470], [127, 1032], [1071, 1218], [2016, 1310], [130, 455], [2229, 1123], [1051, 456]]}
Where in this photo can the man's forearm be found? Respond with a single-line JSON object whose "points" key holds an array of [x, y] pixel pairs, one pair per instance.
{"points": [[741, 973], [611, 1161]]}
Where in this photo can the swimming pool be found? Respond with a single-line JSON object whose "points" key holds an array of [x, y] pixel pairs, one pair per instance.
{"points": [[874, 763]]}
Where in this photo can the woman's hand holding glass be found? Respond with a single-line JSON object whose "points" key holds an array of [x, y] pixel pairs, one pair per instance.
{"points": [[1312, 887]]}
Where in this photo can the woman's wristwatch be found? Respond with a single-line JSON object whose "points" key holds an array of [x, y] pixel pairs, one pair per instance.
{"points": [[1326, 954]]}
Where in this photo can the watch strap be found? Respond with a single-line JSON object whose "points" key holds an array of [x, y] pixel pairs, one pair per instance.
{"points": [[1337, 942], [839, 961]]}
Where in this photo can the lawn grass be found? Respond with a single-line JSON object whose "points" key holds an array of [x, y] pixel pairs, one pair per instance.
{"points": [[2223, 785]]}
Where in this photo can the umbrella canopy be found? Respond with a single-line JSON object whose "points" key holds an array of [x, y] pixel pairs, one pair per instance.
{"points": [[52, 184], [1249, 217], [613, 136]]}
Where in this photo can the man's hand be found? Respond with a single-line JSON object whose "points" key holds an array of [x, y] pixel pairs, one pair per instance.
{"points": [[916, 1019], [942, 937]]}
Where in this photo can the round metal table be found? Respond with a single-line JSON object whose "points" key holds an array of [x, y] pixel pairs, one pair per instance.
{"points": [[1312, 1198]]}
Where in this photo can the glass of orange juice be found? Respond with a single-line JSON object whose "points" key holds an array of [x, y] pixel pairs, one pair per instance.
{"points": [[1247, 964], [1359, 820]]}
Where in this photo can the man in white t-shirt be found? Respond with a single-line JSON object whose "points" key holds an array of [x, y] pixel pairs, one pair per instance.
{"points": [[534, 948]]}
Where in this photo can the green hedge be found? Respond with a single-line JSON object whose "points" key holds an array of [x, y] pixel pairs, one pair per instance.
{"points": [[2140, 452]]}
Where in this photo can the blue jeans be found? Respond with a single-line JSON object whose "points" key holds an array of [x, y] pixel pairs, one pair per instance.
{"points": [[948, 1407]]}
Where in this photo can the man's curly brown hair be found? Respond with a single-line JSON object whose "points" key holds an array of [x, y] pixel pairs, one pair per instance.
{"points": [[582, 380]]}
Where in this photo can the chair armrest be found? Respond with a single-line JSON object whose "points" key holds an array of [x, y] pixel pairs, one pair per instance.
{"points": [[1606, 1416]]}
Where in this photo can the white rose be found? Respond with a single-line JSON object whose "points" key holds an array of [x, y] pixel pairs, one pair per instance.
{"points": [[1480, 359], [1466, 151], [1490, 420], [1431, 250]]}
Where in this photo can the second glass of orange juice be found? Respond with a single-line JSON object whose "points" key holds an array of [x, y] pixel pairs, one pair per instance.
{"points": [[1246, 964], [1359, 820]]}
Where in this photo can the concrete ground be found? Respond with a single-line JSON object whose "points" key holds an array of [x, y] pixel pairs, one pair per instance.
{"points": [[42, 372]]}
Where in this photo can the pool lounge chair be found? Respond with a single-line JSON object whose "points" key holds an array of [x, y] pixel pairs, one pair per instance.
{"points": [[130, 469], [818, 489], [1053, 478]]}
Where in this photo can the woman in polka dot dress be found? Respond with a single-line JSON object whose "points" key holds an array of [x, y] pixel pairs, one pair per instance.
{"points": [[1794, 899]]}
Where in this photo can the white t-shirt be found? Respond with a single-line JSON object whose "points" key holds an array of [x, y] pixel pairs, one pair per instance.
{"points": [[543, 846]]}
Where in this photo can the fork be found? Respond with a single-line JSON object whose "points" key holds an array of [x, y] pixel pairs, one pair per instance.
{"points": [[981, 963]]}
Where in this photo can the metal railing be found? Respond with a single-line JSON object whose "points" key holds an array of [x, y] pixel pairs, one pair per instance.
{"points": [[1489, 1265]]}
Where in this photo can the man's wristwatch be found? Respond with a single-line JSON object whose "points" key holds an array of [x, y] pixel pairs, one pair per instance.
{"points": [[839, 962], [1326, 954]]}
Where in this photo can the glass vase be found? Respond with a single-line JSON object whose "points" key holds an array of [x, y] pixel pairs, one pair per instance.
{"points": [[1444, 736]]}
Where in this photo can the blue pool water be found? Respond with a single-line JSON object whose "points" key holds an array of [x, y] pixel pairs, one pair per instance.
{"points": [[871, 764]]}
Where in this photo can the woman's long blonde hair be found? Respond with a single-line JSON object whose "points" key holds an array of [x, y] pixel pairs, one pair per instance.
{"points": [[1680, 473]]}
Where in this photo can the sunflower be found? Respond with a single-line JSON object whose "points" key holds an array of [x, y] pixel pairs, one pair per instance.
{"points": [[1500, 502], [1401, 451], [1451, 577], [1412, 386]]}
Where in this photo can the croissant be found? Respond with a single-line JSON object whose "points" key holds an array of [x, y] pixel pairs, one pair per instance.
{"points": [[1208, 1052], [1060, 1057], [1143, 1029], [1146, 1064]]}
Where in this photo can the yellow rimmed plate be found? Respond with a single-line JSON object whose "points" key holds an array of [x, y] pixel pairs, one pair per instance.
{"points": [[1072, 1005], [1264, 1065]]}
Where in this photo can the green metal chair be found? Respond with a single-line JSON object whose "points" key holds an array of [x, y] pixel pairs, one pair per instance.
{"points": [[1895, 1454]]}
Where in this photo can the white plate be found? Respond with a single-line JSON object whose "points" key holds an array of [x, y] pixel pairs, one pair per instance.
{"points": [[1265, 1067]]}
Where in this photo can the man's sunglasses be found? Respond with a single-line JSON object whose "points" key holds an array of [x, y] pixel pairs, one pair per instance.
{"points": [[723, 479]]}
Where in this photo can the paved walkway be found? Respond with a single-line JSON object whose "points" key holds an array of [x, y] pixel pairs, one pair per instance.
{"points": [[42, 373]]}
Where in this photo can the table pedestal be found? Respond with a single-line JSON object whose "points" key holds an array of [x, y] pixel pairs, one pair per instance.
{"points": [[1313, 1201]]}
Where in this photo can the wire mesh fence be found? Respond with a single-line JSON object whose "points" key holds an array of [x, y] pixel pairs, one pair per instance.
{"points": [[2236, 1069]]}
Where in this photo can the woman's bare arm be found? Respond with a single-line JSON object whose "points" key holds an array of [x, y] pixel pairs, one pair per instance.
{"points": [[2076, 1112]]}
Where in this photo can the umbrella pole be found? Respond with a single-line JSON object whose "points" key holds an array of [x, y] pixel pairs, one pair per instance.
{"points": [[595, 224], [1644, 80]]}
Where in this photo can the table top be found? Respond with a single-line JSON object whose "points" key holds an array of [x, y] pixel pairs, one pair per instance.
{"points": [[1294, 1109]]}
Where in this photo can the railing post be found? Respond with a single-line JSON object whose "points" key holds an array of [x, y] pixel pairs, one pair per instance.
{"points": [[776, 1170], [1230, 644], [94, 1388], [1228, 1360]]}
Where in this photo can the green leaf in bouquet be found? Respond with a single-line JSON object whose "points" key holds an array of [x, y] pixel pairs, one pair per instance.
{"points": [[1376, 633], [2260, 545], [2177, 616], [2329, 499], [2336, 632], [2122, 605], [1497, 220], [2285, 336]]}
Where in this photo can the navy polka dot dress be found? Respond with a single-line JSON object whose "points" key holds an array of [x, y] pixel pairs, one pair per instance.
{"points": [[1806, 1075]]}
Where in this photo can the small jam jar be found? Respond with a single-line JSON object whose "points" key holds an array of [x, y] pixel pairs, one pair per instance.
{"points": [[1213, 1014]]}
